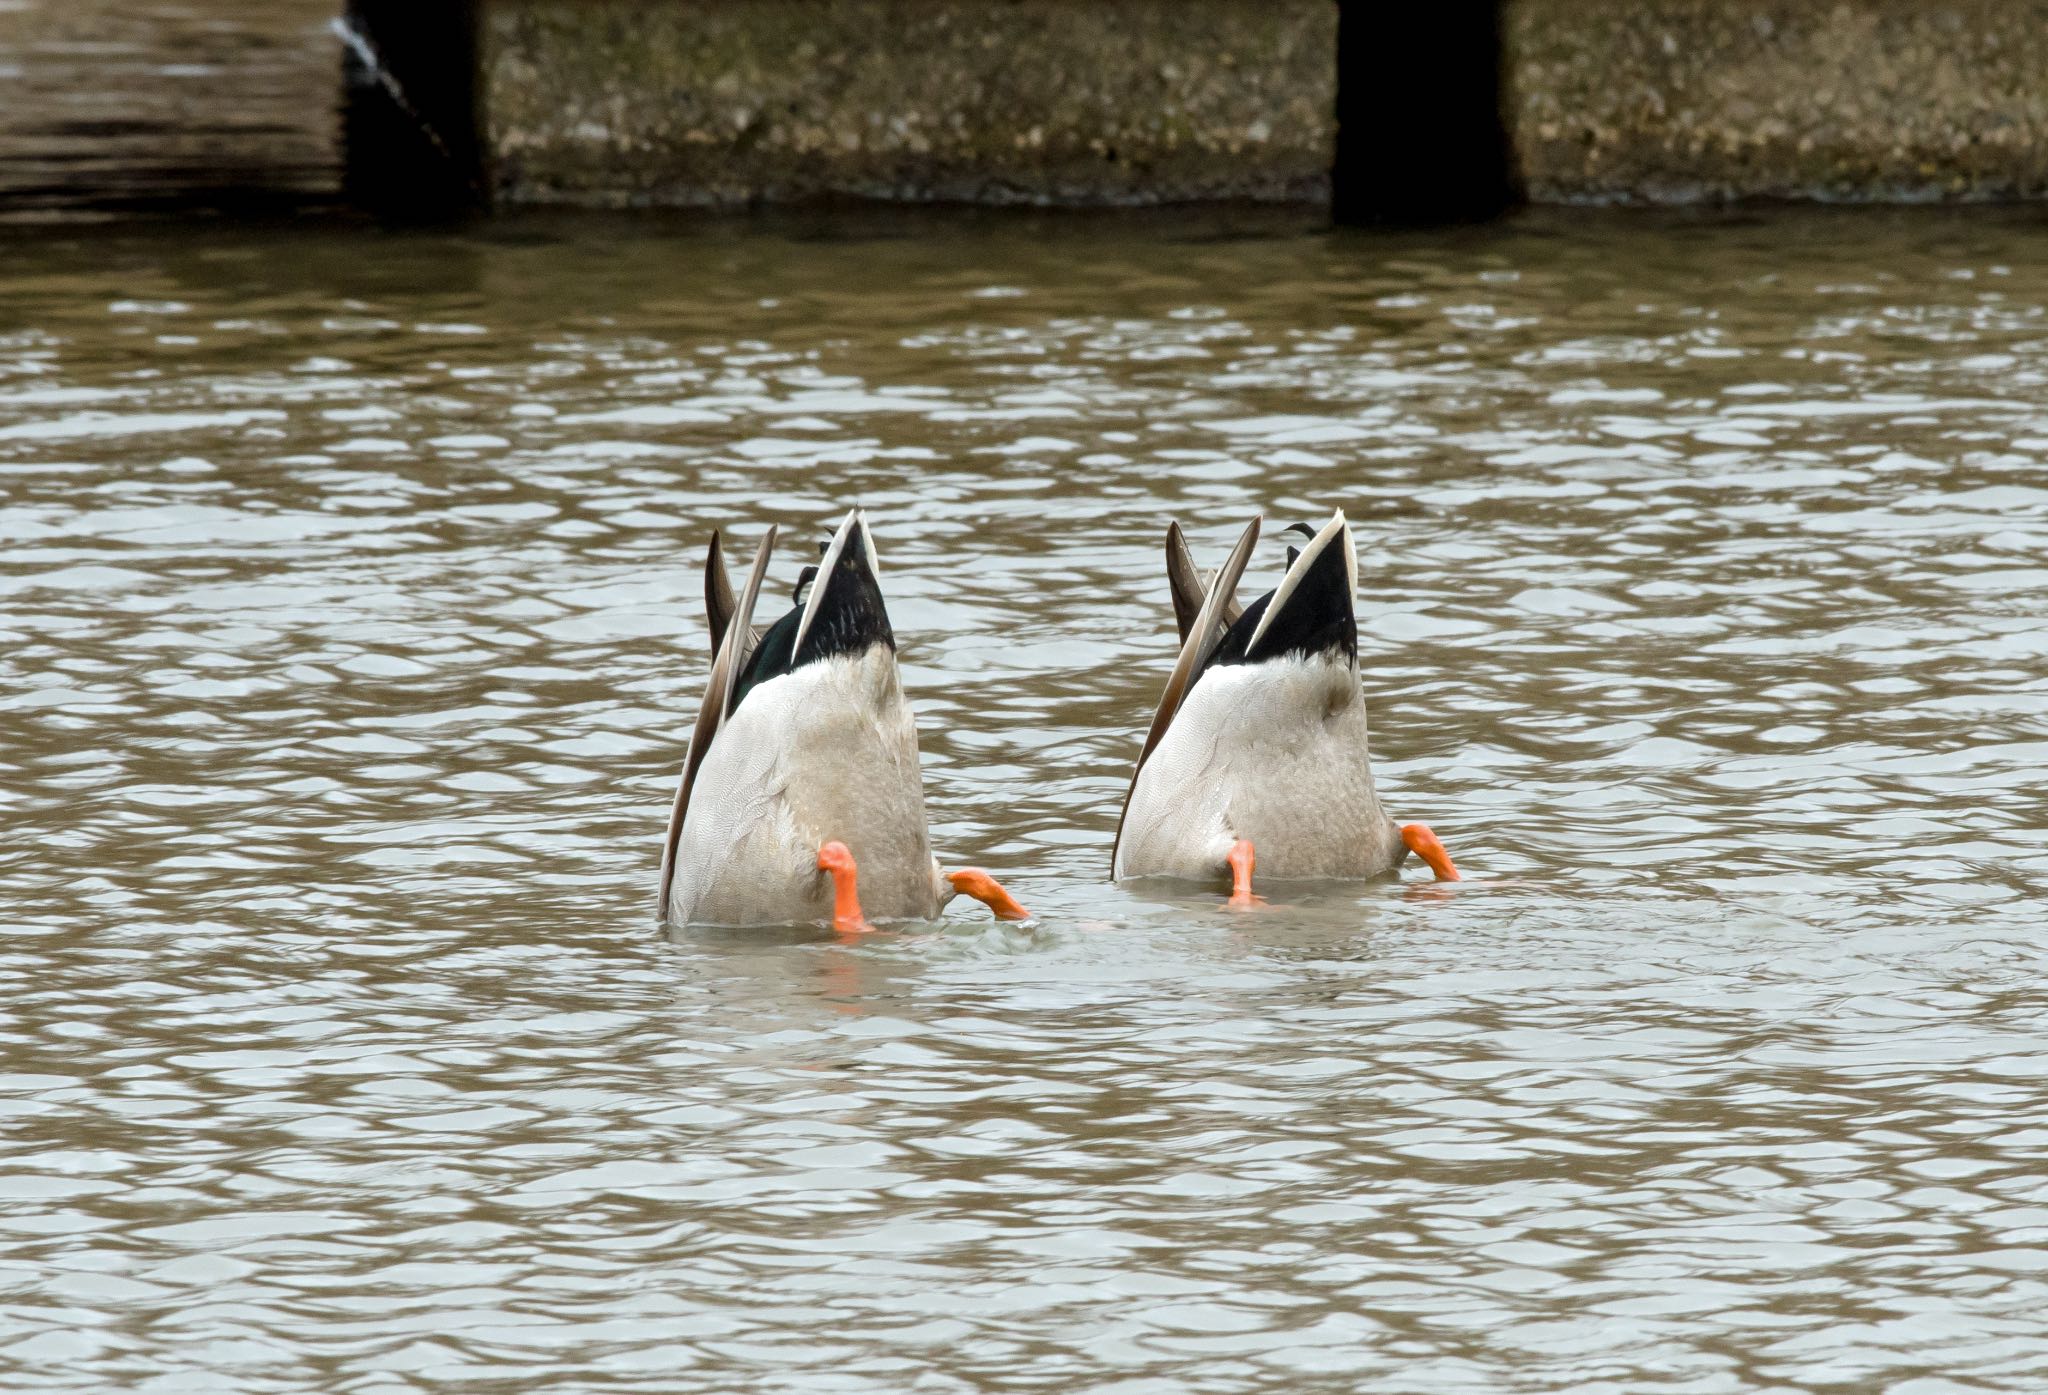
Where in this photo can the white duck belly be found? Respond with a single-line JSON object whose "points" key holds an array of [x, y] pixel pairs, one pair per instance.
{"points": [[1273, 752], [826, 752]]}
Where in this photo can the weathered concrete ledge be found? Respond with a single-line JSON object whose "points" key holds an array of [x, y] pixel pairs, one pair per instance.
{"points": [[1869, 100], [712, 102], [720, 102]]}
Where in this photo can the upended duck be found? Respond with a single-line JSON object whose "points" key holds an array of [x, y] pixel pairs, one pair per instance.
{"points": [[1257, 756], [801, 798]]}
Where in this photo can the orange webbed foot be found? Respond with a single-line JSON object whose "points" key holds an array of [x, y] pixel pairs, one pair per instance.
{"points": [[972, 881], [836, 859], [1242, 859], [1426, 845]]}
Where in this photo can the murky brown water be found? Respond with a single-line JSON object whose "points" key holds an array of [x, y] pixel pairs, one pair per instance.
{"points": [[351, 631]]}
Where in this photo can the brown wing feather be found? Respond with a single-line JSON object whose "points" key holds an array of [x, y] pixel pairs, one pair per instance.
{"points": [[1188, 585], [718, 601], [1204, 633], [725, 669]]}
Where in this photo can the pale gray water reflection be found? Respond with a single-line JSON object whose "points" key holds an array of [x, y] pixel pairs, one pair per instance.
{"points": [[351, 633]]}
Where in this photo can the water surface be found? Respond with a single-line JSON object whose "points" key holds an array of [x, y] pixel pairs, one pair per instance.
{"points": [[350, 633]]}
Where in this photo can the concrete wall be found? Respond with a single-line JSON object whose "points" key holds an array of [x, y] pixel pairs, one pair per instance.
{"points": [[1146, 101], [1680, 100], [1047, 101]]}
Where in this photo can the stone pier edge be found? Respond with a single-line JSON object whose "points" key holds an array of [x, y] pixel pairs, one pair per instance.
{"points": [[734, 102]]}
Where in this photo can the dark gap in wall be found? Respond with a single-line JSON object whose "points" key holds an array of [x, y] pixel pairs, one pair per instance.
{"points": [[1421, 113], [409, 116]]}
